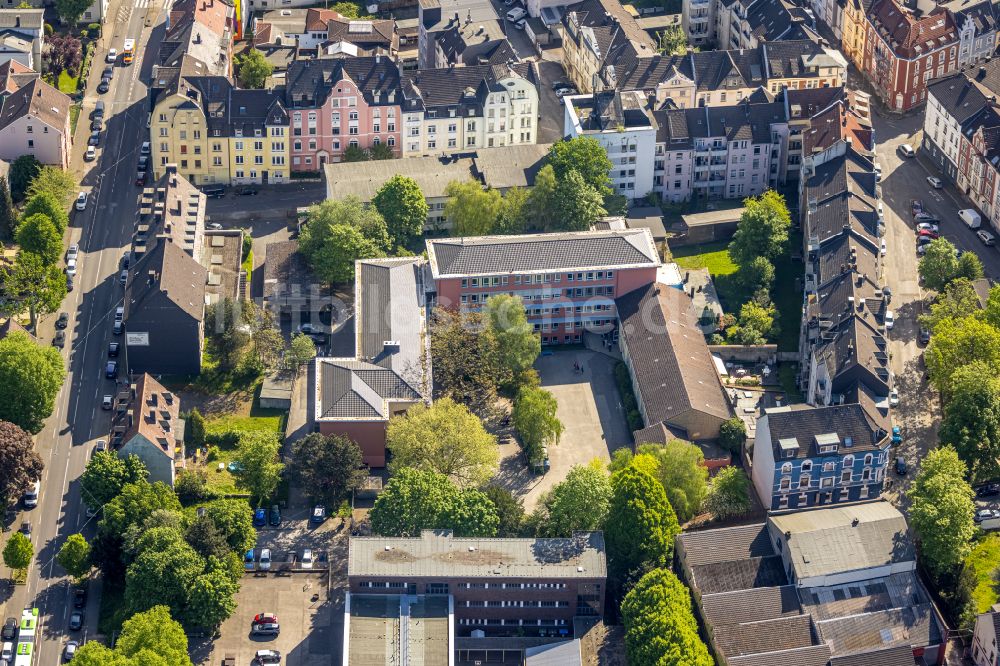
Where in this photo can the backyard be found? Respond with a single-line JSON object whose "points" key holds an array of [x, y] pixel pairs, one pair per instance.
{"points": [[221, 459], [984, 560]]}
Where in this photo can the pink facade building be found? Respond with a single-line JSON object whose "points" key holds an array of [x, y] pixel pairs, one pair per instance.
{"points": [[341, 102], [568, 281]]}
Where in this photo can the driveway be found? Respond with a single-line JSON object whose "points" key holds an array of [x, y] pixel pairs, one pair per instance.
{"points": [[591, 413]]}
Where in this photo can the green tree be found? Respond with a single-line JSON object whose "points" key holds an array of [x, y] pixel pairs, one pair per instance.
{"points": [[660, 627], [22, 171], [152, 638], [194, 432], [162, 575], [958, 342], [228, 333], [107, 474], [762, 230], [334, 261], [471, 210], [265, 337], [254, 69], [259, 471], [991, 313], [74, 557], [381, 151], [212, 596], [445, 438], [682, 472], [416, 500], [234, 520], [756, 322], [349, 211], [56, 182], [8, 216], [22, 466], [969, 266], [206, 538], [939, 265], [536, 422], [70, 11], [30, 377], [339, 232], [728, 494], [586, 156], [518, 344], [465, 355], [355, 154], [134, 505], [541, 209], [673, 41], [509, 508], [328, 468], [349, 10], [579, 502], [402, 205], [756, 276], [733, 434], [38, 235], [302, 350], [31, 284], [641, 526], [513, 212], [18, 552], [957, 300], [971, 420], [941, 510], [50, 205], [580, 205]]}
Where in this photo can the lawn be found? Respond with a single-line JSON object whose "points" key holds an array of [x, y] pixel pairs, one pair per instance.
{"points": [[74, 115], [248, 264], [265, 420], [714, 257], [984, 560], [67, 83]]}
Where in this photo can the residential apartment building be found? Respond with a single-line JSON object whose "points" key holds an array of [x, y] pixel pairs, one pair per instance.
{"points": [[830, 586], [568, 281], [596, 33], [304, 28], [455, 32], [215, 132], [820, 455], [984, 637], [976, 23], [146, 423], [342, 102], [34, 120], [745, 24], [172, 210], [906, 48], [27, 25], [199, 29], [626, 130], [499, 586], [391, 369], [467, 108]]}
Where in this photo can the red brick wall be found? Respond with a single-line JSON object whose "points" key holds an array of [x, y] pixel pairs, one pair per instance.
{"points": [[370, 436]]}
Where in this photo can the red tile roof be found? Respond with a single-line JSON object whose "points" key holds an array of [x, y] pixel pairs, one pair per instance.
{"points": [[910, 36]]}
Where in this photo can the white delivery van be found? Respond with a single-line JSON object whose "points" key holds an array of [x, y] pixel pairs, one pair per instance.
{"points": [[516, 14], [970, 217]]}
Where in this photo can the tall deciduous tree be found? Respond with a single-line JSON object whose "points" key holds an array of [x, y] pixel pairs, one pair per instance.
{"points": [[579, 502], [194, 429], [762, 230], [30, 377], [162, 575], [586, 156], [416, 500], [641, 525], [958, 342], [228, 333], [733, 434], [234, 520], [381, 151], [518, 344], [971, 420], [301, 351], [74, 556], [134, 505], [70, 11], [513, 212], [56, 182], [682, 472], [8, 216], [536, 421], [106, 475], [254, 69], [339, 232], [941, 510], [728, 494], [22, 466], [152, 637], [445, 438], [541, 209], [660, 627], [466, 359], [673, 41], [49, 204], [510, 510], [957, 300], [18, 552], [939, 265], [402, 205], [328, 467], [355, 154], [259, 471], [31, 284], [580, 204], [38, 234], [22, 171], [471, 210], [212, 595]]}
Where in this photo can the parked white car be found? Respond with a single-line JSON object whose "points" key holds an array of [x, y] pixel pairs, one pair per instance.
{"points": [[81, 201], [889, 319]]}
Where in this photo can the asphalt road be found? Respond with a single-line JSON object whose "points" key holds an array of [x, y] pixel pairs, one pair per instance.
{"points": [[103, 231]]}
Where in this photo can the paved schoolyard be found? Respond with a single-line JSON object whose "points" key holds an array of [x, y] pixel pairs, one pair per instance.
{"points": [[591, 413]]}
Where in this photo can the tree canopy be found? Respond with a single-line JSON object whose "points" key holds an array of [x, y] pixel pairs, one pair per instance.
{"points": [[20, 462], [38, 234], [51, 205], [254, 69], [971, 422], [8, 216], [259, 470], [106, 474], [579, 203], [471, 210], [660, 627], [52, 180], [728, 493], [762, 230], [957, 300], [678, 466], [402, 205], [70, 11], [328, 467], [587, 157], [466, 359], [30, 377], [31, 284], [733, 434], [18, 552], [959, 342], [541, 208], [416, 500], [939, 265], [579, 502], [22, 171], [510, 510], [445, 438], [536, 421], [74, 556], [941, 510], [151, 638], [135, 503], [517, 343], [337, 233], [673, 41]]}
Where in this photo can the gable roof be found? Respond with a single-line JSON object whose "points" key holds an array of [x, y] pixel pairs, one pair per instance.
{"points": [[13, 75], [350, 389], [673, 370], [309, 83], [532, 253], [849, 426], [169, 270], [155, 415], [725, 544], [37, 99], [908, 36]]}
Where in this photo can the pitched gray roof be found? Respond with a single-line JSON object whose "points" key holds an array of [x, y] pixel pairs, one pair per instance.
{"points": [[456, 257], [848, 423], [816, 655], [725, 544], [350, 389], [859, 634], [170, 270], [752, 605], [783, 633], [740, 574], [894, 656]]}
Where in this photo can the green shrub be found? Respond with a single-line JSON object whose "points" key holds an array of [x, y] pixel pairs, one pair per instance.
{"points": [[95, 30], [227, 438], [213, 453], [48, 30]]}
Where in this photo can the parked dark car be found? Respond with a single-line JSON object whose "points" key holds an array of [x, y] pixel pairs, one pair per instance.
{"points": [[901, 466], [76, 621], [318, 514], [69, 283], [104, 86], [63, 320], [275, 516], [260, 517], [108, 73], [59, 340], [214, 191], [988, 490], [111, 370], [9, 631], [95, 138], [925, 336], [96, 124], [113, 350], [79, 597], [248, 190]]}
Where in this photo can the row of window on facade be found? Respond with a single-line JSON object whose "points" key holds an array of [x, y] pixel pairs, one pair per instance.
{"points": [[825, 498], [540, 622], [538, 278], [847, 476], [547, 295], [276, 160]]}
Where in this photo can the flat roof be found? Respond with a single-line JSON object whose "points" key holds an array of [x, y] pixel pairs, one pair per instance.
{"points": [[436, 553], [398, 629]]}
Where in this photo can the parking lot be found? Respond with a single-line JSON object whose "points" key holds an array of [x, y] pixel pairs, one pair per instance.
{"points": [[591, 413], [311, 628]]}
